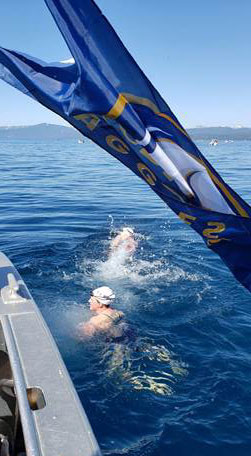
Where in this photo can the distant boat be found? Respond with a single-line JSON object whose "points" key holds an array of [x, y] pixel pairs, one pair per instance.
{"points": [[80, 141], [214, 142]]}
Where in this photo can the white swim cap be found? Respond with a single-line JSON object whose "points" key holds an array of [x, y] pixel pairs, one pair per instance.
{"points": [[128, 230], [104, 295]]}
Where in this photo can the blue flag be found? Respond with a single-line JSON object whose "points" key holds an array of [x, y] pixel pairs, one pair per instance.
{"points": [[104, 94]]}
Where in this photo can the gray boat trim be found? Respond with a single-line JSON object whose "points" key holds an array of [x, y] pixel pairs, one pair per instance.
{"points": [[58, 426], [28, 425]]}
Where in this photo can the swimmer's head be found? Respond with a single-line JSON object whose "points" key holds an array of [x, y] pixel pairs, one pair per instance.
{"points": [[104, 295], [127, 230]]}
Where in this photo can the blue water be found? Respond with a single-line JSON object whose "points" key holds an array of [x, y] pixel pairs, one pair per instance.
{"points": [[183, 386]]}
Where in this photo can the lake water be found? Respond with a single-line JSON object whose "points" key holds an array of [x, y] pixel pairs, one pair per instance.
{"points": [[182, 387]]}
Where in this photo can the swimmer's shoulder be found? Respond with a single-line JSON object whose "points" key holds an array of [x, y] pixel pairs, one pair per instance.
{"points": [[94, 323], [119, 313], [116, 241], [114, 316], [117, 316]]}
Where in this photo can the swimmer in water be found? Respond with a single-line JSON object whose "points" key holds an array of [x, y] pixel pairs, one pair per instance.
{"points": [[106, 318], [124, 241]]}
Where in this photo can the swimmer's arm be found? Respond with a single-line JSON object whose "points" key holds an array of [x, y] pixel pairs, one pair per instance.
{"points": [[86, 330], [93, 326], [115, 242], [131, 246]]}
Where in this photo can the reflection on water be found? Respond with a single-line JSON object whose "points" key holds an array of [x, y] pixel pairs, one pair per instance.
{"points": [[144, 366]]}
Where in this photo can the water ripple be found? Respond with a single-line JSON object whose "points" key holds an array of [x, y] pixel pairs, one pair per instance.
{"points": [[181, 384]]}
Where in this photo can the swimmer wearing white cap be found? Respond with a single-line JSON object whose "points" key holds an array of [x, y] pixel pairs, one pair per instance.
{"points": [[106, 317], [124, 240]]}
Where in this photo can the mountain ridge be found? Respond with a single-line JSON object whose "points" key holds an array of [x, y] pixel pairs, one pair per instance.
{"points": [[45, 131], [39, 131]]}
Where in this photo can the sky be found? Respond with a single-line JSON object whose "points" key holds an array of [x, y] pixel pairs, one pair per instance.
{"points": [[196, 53]]}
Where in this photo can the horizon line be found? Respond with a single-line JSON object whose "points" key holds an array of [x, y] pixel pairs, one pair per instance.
{"points": [[198, 127]]}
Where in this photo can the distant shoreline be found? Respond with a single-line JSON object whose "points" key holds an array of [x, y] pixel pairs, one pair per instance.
{"points": [[220, 133], [56, 132]]}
